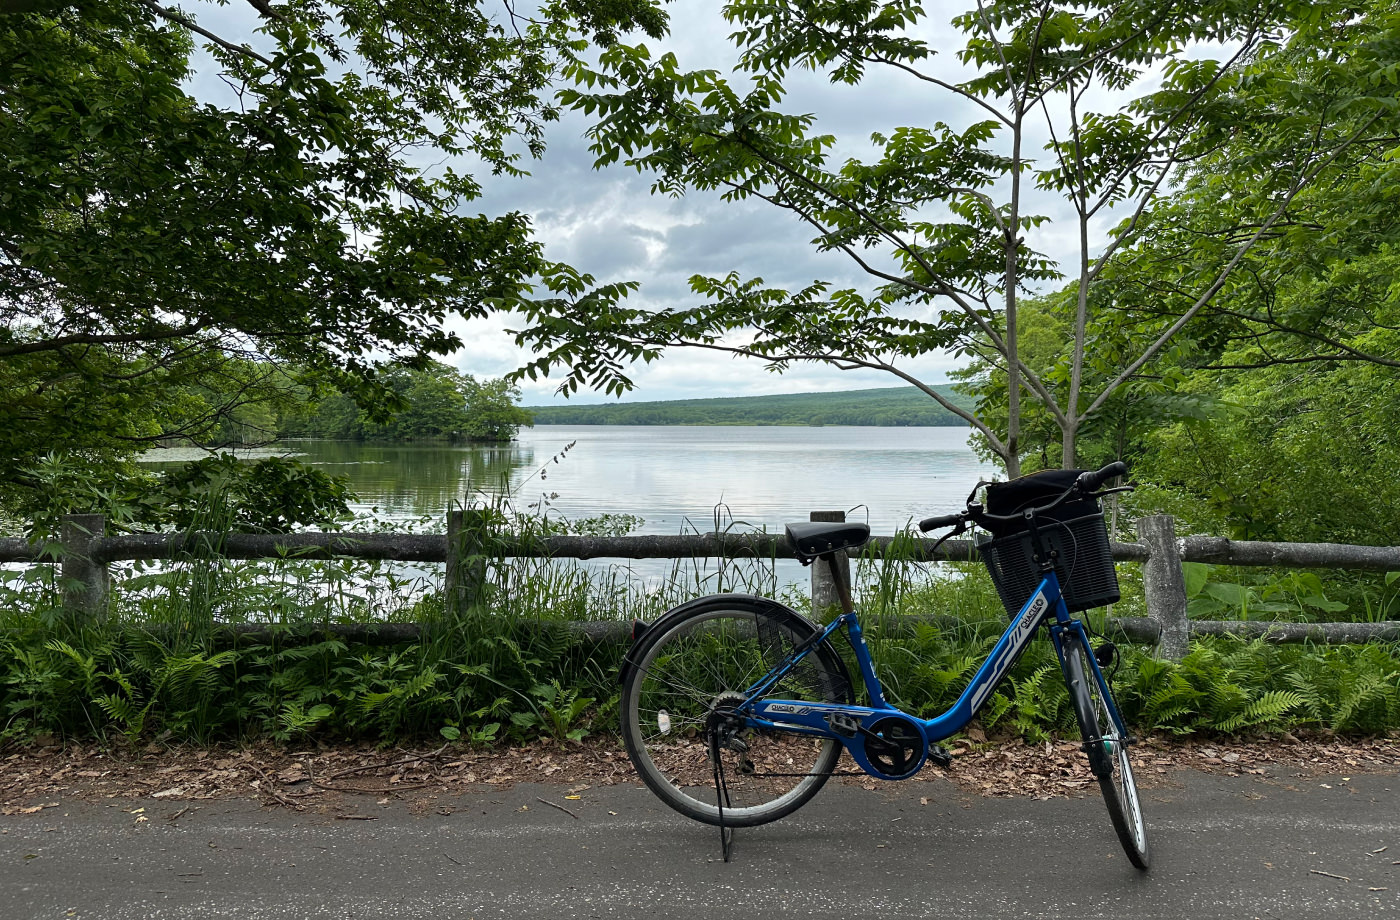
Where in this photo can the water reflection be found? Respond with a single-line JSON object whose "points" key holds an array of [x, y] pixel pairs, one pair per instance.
{"points": [[402, 481], [676, 479], [418, 480]]}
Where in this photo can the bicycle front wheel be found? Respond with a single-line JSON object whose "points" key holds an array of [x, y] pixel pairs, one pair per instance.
{"points": [[687, 670], [1108, 752]]}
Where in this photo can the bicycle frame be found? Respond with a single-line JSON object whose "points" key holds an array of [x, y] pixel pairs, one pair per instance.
{"points": [[846, 723]]}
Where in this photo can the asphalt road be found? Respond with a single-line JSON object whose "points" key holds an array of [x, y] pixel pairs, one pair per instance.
{"points": [[1227, 847]]}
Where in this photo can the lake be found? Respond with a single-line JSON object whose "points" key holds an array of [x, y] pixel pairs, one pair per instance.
{"points": [[673, 477], [677, 479]]}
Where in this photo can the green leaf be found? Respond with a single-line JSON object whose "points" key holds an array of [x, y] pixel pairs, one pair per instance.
{"points": [[1196, 575]]}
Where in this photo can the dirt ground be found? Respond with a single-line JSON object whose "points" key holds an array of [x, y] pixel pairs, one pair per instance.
{"points": [[336, 778]]}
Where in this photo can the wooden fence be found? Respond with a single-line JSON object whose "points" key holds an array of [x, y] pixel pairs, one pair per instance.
{"points": [[84, 552]]}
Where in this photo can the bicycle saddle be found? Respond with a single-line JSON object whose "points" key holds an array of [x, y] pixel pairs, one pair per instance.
{"points": [[811, 539]]}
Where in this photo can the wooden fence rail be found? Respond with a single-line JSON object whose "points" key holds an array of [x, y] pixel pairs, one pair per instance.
{"points": [[84, 552]]}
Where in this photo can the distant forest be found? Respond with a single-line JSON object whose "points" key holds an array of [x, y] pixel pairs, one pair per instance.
{"points": [[887, 406]]}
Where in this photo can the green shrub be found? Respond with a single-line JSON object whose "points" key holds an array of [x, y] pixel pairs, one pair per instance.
{"points": [[517, 666]]}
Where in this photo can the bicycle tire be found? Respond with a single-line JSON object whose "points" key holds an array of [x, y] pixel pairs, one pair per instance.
{"points": [[685, 665], [1108, 753]]}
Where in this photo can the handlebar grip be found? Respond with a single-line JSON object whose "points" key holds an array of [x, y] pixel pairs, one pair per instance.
{"points": [[1088, 482], [942, 520]]}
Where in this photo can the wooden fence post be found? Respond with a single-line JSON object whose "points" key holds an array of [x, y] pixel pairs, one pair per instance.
{"points": [[85, 580], [1164, 585], [824, 595], [465, 576]]}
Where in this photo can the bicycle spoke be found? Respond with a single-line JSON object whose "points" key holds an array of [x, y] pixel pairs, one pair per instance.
{"points": [[705, 663], [1108, 750]]}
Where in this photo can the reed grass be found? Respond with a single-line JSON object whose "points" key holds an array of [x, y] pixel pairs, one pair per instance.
{"points": [[512, 667]]}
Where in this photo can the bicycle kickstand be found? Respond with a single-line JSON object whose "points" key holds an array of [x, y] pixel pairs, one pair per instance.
{"points": [[726, 833]]}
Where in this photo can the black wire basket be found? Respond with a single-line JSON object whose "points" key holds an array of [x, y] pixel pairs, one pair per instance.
{"points": [[1083, 562]]}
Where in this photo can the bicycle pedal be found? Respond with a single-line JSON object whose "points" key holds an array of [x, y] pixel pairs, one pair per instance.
{"points": [[844, 725], [940, 755]]}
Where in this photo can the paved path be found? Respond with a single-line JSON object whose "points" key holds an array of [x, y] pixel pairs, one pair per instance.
{"points": [[1226, 847]]}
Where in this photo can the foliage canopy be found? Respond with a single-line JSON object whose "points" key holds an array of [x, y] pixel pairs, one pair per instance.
{"points": [[175, 199], [1108, 107]]}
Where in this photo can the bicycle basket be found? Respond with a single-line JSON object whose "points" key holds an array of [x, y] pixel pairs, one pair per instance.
{"points": [[1074, 531]]}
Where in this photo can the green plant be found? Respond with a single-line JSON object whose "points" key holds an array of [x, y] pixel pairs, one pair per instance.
{"points": [[559, 710], [1228, 685], [520, 666]]}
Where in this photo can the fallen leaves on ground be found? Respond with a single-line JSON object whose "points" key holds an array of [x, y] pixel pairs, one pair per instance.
{"points": [[286, 775], [31, 778], [1059, 768]]}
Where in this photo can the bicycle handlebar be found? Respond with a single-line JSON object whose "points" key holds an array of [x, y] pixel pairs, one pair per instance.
{"points": [[1087, 482], [942, 520]]}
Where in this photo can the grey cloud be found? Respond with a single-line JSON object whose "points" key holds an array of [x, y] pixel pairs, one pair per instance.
{"points": [[751, 238], [608, 249], [606, 222]]}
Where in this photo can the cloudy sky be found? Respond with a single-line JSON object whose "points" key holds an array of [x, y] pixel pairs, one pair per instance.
{"points": [[607, 223]]}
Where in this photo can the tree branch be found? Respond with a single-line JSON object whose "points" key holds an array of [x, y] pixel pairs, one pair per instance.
{"points": [[66, 341], [265, 9], [1121, 239], [943, 84], [1032, 379], [1299, 184], [945, 289], [1161, 132], [190, 24], [1005, 65]]}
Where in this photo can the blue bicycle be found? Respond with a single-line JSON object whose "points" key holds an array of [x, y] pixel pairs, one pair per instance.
{"points": [[735, 708]]}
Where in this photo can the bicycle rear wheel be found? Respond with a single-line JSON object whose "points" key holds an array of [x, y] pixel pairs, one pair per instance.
{"points": [[691, 670], [1108, 752]]}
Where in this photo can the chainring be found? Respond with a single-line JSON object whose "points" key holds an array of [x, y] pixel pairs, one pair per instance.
{"points": [[894, 747]]}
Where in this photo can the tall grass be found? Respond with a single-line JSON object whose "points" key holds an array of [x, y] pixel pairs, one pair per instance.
{"points": [[515, 666]]}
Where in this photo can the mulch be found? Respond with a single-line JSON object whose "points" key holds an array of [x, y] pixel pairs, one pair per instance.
{"points": [[40, 776]]}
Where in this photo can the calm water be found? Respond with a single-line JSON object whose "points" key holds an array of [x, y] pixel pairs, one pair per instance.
{"points": [[675, 477]]}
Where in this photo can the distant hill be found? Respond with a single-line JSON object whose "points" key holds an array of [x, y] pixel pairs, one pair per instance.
{"points": [[888, 406]]}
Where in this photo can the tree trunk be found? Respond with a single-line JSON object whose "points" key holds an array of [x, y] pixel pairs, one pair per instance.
{"points": [[1069, 448], [1013, 367]]}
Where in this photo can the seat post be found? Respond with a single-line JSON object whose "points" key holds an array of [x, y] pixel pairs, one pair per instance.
{"points": [[824, 592], [840, 578]]}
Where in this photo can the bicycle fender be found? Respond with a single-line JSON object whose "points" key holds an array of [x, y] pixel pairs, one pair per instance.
{"points": [[800, 625]]}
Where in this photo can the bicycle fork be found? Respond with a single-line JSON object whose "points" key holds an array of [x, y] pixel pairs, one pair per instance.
{"points": [[1098, 746]]}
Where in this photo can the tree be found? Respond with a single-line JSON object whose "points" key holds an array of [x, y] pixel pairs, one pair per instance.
{"points": [[434, 402], [1300, 452], [493, 410], [1301, 363], [149, 236], [1127, 101], [1312, 294]]}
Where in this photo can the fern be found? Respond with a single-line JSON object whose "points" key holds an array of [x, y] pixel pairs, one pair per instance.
{"points": [[1368, 697], [122, 710], [295, 720], [1038, 701], [1264, 711]]}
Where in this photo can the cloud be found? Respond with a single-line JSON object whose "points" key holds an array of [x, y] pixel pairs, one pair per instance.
{"points": [[608, 223]]}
